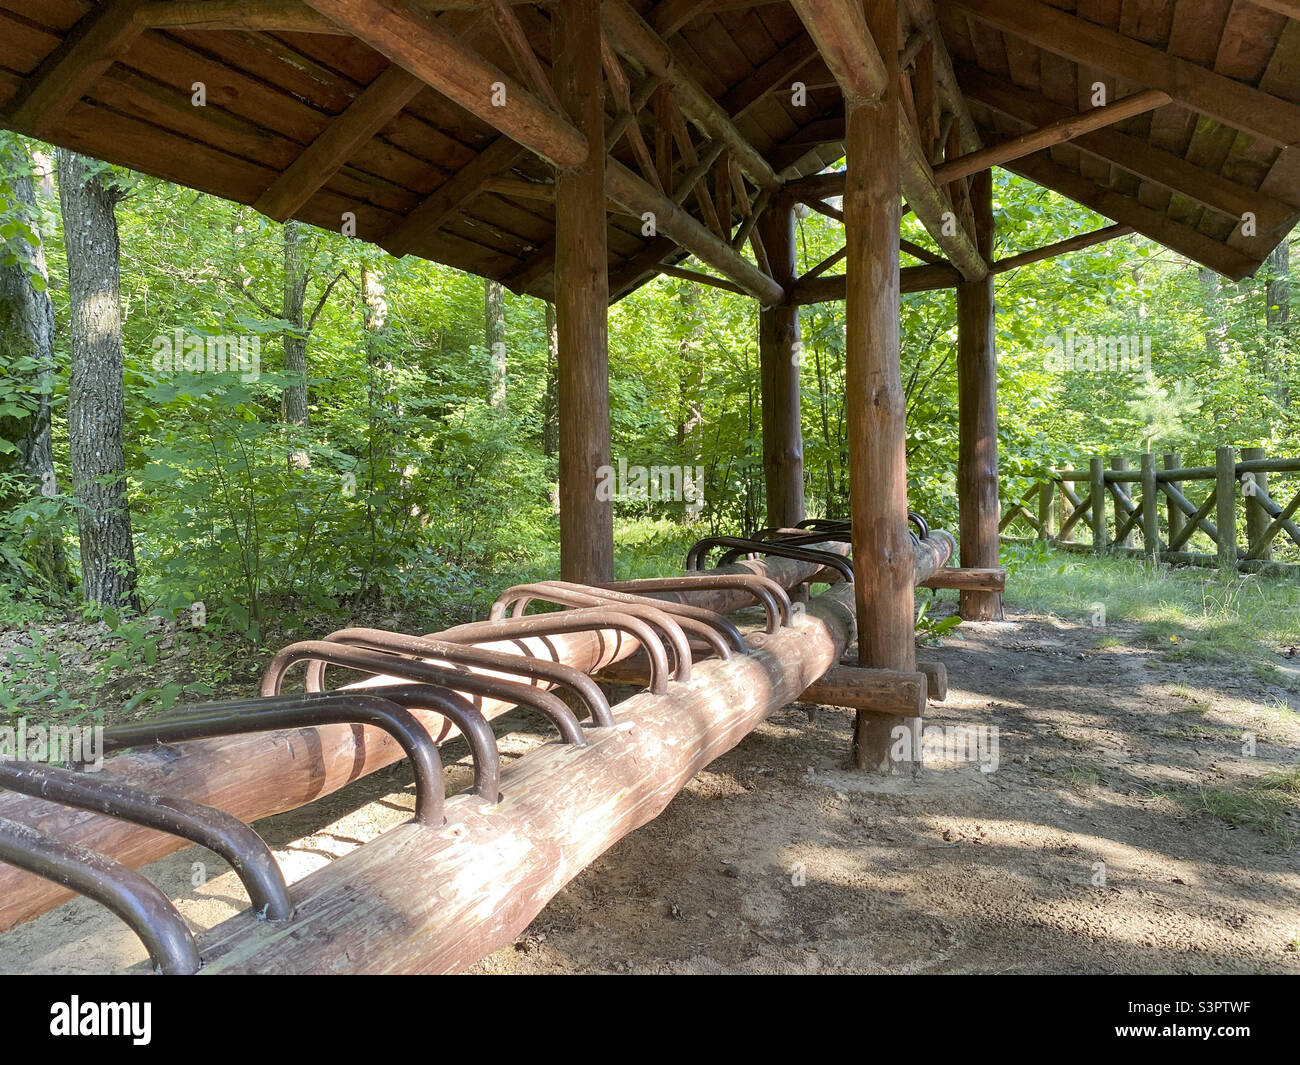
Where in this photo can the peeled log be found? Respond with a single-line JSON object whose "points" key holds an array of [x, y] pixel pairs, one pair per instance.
{"points": [[260, 775]]}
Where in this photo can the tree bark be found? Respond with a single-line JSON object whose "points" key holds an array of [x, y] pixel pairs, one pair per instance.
{"points": [[95, 404], [296, 276], [494, 321], [550, 400], [27, 332]]}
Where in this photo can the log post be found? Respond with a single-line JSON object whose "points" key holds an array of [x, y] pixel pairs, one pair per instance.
{"points": [[582, 304], [1150, 508], [1046, 508], [1121, 465], [1173, 515], [1257, 518], [1225, 479], [876, 408], [779, 352], [977, 411], [1097, 472]]}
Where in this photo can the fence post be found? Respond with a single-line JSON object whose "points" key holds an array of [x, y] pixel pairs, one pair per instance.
{"points": [[1046, 497], [1174, 461], [1150, 508], [1121, 465], [1225, 465], [1097, 470], [1257, 521], [1065, 507]]}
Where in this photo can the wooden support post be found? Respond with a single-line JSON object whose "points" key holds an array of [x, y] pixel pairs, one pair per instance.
{"points": [[1150, 508], [779, 351], [582, 305], [1097, 475], [1046, 508], [1257, 518], [1225, 494], [977, 407], [1173, 513], [1121, 465], [882, 552]]}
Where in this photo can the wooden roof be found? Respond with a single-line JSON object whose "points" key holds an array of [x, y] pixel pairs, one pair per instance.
{"points": [[303, 119]]}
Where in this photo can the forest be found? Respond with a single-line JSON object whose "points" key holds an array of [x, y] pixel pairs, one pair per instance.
{"points": [[233, 425]]}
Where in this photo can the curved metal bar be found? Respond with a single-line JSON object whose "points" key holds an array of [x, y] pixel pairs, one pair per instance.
{"points": [[922, 526], [773, 598], [778, 536], [466, 717], [207, 826], [739, 545], [384, 664], [209, 720], [556, 673], [565, 593], [826, 524], [147, 911], [523, 594], [730, 636], [584, 619]]}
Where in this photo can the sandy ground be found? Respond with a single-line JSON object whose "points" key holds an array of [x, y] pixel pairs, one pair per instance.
{"points": [[1087, 850]]}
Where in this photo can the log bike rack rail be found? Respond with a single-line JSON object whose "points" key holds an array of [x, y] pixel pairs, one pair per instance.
{"points": [[738, 545], [144, 908]]}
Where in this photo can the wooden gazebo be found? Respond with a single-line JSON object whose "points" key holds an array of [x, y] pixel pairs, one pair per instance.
{"points": [[573, 150]]}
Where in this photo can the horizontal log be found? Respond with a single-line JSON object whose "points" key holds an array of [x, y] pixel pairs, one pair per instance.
{"points": [[910, 279], [886, 691], [1182, 558], [970, 579], [260, 775]]}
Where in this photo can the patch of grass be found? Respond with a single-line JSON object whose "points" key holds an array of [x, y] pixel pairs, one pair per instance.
{"points": [[1262, 803], [1108, 643], [1080, 777]]}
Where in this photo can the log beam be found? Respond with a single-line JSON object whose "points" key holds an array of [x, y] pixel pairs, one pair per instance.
{"points": [[632, 36], [582, 304], [911, 279], [779, 350], [839, 29], [1222, 98], [883, 558], [1062, 247], [266, 16], [968, 579], [977, 411], [880, 691], [94, 44], [415, 41]]}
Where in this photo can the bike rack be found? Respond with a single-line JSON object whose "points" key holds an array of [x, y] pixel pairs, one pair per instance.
{"points": [[207, 826], [739, 545], [771, 596], [147, 911], [211, 720]]}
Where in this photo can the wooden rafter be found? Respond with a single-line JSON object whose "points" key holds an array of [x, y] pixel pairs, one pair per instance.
{"points": [[777, 73], [621, 89], [515, 38], [633, 37], [1058, 132], [1133, 154], [669, 16], [911, 279], [377, 105], [396, 29], [275, 16], [691, 160], [1159, 227], [1062, 247], [921, 13], [1222, 98], [1290, 8], [839, 29], [94, 44]]}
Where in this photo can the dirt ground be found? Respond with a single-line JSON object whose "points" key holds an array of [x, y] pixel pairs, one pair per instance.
{"points": [[1091, 848]]}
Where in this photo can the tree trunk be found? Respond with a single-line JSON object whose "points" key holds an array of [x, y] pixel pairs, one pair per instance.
{"points": [[1278, 314], [550, 400], [27, 332], [95, 406], [494, 320], [296, 275]]}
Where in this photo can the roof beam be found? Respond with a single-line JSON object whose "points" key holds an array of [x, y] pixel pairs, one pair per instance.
{"points": [[515, 38], [1062, 247], [94, 44], [669, 16], [426, 219], [625, 188], [777, 72], [374, 108], [1224, 99], [924, 22], [271, 16], [910, 279], [1131, 153], [630, 34], [840, 30], [1057, 132], [1159, 227], [1290, 8], [417, 43]]}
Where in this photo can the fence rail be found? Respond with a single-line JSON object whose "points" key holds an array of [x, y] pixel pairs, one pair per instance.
{"points": [[1157, 506]]}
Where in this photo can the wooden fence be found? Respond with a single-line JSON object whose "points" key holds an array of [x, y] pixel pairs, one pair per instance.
{"points": [[1155, 505]]}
